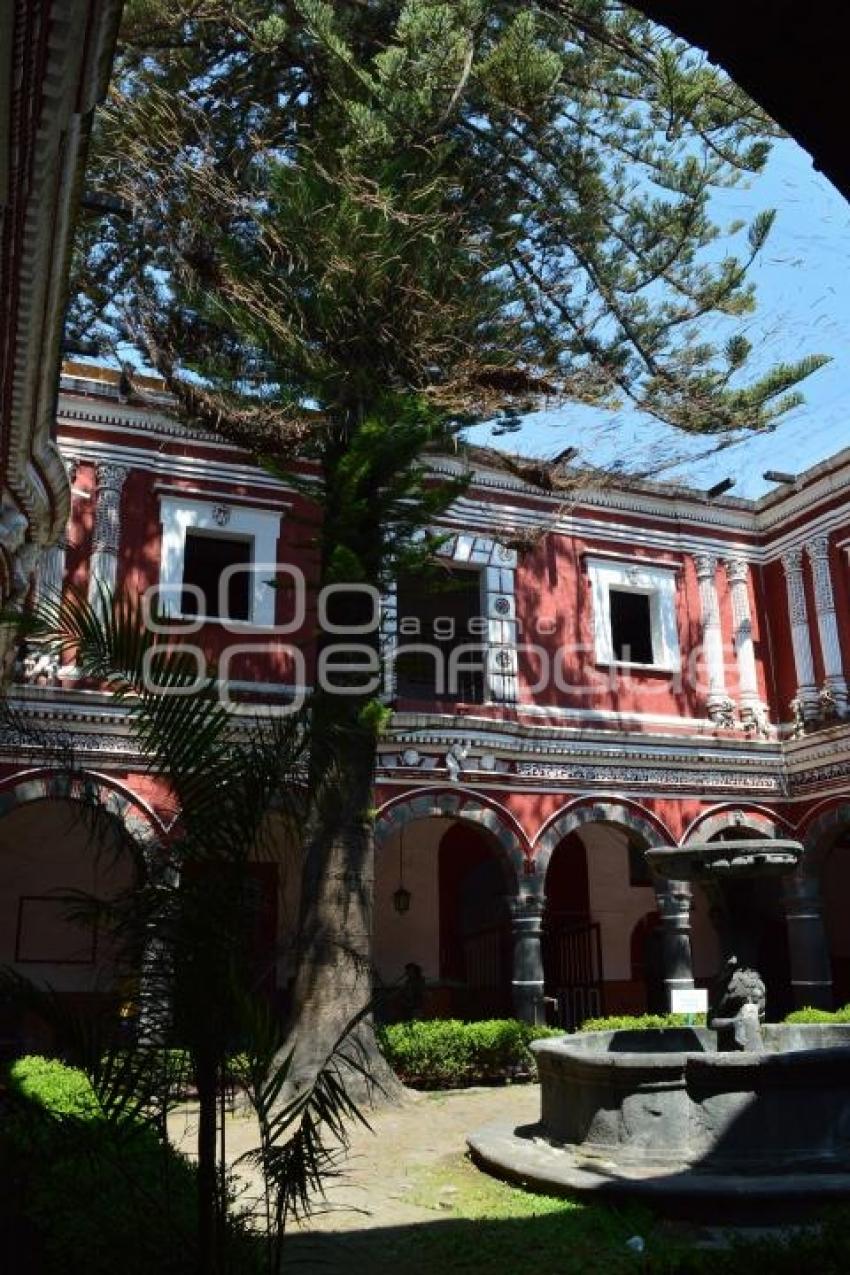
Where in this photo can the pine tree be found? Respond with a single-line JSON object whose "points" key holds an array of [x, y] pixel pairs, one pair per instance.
{"points": [[361, 227]]}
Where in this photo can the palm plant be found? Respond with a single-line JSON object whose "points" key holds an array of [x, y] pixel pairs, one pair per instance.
{"points": [[182, 925]]}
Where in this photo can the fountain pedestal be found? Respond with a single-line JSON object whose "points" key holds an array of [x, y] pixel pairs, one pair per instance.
{"points": [[727, 870]]}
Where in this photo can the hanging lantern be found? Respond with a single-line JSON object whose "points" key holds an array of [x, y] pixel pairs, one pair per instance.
{"points": [[401, 899], [401, 896]]}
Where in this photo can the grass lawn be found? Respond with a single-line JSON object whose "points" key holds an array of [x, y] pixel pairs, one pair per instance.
{"points": [[483, 1225]]}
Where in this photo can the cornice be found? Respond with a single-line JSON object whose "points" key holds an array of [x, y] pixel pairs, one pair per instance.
{"points": [[75, 410], [643, 500], [510, 755], [163, 465], [64, 75], [683, 519]]}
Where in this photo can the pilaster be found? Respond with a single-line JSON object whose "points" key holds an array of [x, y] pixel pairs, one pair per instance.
{"points": [[807, 691], [719, 705], [753, 710], [107, 530], [834, 692]]}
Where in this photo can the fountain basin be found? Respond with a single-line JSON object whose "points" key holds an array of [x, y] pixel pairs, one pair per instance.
{"points": [[665, 1113]]}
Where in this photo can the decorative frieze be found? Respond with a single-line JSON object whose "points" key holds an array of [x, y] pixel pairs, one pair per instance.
{"points": [[649, 777]]}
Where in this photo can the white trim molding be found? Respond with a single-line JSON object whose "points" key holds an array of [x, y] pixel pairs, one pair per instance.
{"points": [[261, 527], [655, 582]]}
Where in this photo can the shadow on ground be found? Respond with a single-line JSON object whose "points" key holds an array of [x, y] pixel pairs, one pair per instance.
{"points": [[553, 1245], [568, 1244]]}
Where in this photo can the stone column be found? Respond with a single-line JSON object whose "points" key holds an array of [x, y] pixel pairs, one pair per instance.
{"points": [[835, 684], [718, 702], [753, 711], [807, 691], [51, 568], [808, 950], [675, 901], [103, 566], [527, 976]]}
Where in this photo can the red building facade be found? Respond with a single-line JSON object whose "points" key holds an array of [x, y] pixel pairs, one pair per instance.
{"points": [[645, 667]]}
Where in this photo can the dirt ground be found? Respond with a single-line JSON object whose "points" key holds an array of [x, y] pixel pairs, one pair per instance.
{"points": [[383, 1166], [408, 1173]]}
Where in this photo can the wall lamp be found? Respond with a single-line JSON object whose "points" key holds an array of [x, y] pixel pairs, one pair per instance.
{"points": [[401, 896]]}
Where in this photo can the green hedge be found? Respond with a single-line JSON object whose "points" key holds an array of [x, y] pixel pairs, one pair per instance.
{"points": [[444, 1053], [646, 1022], [641, 1022], [808, 1014]]}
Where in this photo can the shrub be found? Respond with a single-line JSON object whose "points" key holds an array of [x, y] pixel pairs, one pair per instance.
{"points": [[446, 1053], [96, 1199], [641, 1022], [59, 1090], [809, 1014]]}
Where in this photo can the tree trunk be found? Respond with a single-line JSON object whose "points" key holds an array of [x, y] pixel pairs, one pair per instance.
{"points": [[334, 980], [333, 984], [206, 1075]]}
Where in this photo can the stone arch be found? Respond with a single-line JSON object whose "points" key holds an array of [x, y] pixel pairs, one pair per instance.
{"points": [[130, 810], [51, 854], [462, 805], [820, 835], [633, 818], [712, 822]]}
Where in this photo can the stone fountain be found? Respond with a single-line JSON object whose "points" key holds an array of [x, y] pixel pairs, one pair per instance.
{"points": [[739, 1110]]}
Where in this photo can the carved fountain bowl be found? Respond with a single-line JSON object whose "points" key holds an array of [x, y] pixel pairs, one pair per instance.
{"points": [[720, 860], [668, 1115], [664, 1114]]}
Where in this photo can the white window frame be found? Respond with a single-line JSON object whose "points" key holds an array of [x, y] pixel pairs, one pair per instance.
{"points": [[259, 526], [656, 583]]}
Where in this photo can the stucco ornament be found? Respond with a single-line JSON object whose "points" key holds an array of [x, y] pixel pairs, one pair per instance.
{"points": [[455, 757], [40, 668], [798, 717], [754, 718], [828, 702], [722, 713]]}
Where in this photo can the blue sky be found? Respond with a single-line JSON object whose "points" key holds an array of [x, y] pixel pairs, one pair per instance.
{"points": [[803, 296]]}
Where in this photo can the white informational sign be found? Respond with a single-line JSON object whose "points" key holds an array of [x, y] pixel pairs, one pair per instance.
{"points": [[689, 1000]]}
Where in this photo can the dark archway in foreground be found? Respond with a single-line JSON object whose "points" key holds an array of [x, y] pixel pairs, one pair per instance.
{"points": [[791, 58]]}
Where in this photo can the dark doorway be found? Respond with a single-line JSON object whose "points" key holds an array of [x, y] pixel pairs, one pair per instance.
{"points": [[474, 923], [572, 947]]}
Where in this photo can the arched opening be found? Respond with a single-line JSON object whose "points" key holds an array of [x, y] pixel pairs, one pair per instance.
{"points": [[598, 890], [831, 855], [52, 859], [449, 953]]}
